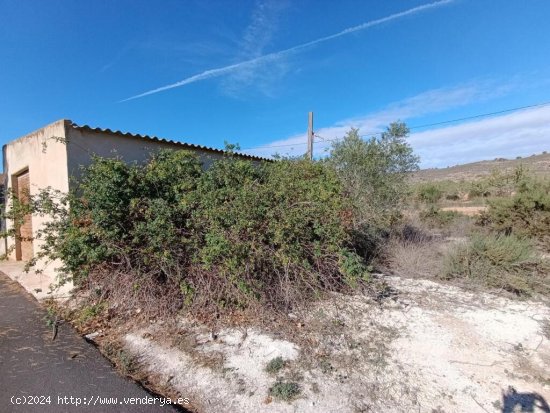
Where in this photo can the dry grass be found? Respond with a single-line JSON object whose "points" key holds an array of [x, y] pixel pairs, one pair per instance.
{"points": [[470, 211], [413, 259], [417, 250]]}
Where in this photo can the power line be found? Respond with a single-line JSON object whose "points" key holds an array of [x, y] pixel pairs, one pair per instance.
{"points": [[445, 122], [482, 115]]}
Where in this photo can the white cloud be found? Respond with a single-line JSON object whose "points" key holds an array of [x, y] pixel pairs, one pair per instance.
{"points": [[520, 133], [257, 36], [273, 57], [426, 103]]}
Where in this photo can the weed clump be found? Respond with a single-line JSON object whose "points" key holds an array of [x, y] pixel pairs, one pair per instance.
{"points": [[285, 390], [275, 365], [437, 217], [90, 311]]}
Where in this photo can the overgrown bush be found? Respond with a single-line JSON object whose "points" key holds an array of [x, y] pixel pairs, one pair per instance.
{"points": [[167, 235], [500, 261], [276, 234], [122, 216], [526, 213]]}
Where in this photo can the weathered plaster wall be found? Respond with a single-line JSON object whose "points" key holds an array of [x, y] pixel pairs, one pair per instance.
{"points": [[82, 144], [46, 159], [44, 154]]}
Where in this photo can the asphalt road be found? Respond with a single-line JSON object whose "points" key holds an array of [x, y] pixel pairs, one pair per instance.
{"points": [[34, 369]]}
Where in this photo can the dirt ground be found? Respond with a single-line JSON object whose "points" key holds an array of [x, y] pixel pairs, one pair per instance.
{"points": [[428, 347], [470, 211]]}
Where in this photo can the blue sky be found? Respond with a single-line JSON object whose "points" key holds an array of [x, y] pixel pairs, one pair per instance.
{"points": [[249, 71]]}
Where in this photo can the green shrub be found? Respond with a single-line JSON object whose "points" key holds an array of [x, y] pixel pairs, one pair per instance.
{"points": [[89, 312], [132, 215], [452, 196], [374, 173], [499, 183], [167, 234], [527, 213], [430, 193], [479, 189], [499, 261], [275, 234], [437, 217]]}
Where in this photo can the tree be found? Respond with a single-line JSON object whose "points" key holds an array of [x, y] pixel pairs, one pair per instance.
{"points": [[374, 173]]}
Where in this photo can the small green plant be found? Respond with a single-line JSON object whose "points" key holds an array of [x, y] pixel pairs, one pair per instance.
{"points": [[275, 365], [285, 390], [91, 311], [123, 360], [50, 317], [126, 362]]}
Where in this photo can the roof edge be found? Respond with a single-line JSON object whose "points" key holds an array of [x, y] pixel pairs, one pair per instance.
{"points": [[71, 124]]}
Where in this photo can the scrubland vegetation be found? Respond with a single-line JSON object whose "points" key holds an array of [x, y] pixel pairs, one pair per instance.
{"points": [[272, 282], [503, 245], [168, 236]]}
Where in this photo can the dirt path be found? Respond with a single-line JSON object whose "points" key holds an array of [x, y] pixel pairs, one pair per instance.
{"points": [[470, 211]]}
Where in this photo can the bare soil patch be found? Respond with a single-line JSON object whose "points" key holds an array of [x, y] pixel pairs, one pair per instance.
{"points": [[470, 211], [429, 347]]}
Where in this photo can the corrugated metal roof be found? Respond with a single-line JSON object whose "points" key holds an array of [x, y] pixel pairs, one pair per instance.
{"points": [[157, 139]]}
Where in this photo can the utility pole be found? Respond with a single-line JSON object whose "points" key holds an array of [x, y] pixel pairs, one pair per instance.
{"points": [[310, 137]]}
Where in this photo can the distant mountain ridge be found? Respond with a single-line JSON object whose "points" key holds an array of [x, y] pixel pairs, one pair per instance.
{"points": [[537, 164]]}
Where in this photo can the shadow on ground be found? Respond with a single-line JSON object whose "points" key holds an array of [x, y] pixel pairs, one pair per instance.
{"points": [[512, 400]]}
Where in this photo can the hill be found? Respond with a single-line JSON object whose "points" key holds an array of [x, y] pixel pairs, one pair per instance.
{"points": [[537, 164]]}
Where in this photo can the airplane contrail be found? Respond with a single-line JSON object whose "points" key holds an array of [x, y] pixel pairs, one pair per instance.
{"points": [[207, 74]]}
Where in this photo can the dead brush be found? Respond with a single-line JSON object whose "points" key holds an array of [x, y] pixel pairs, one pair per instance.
{"points": [[413, 252], [413, 259], [145, 294]]}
